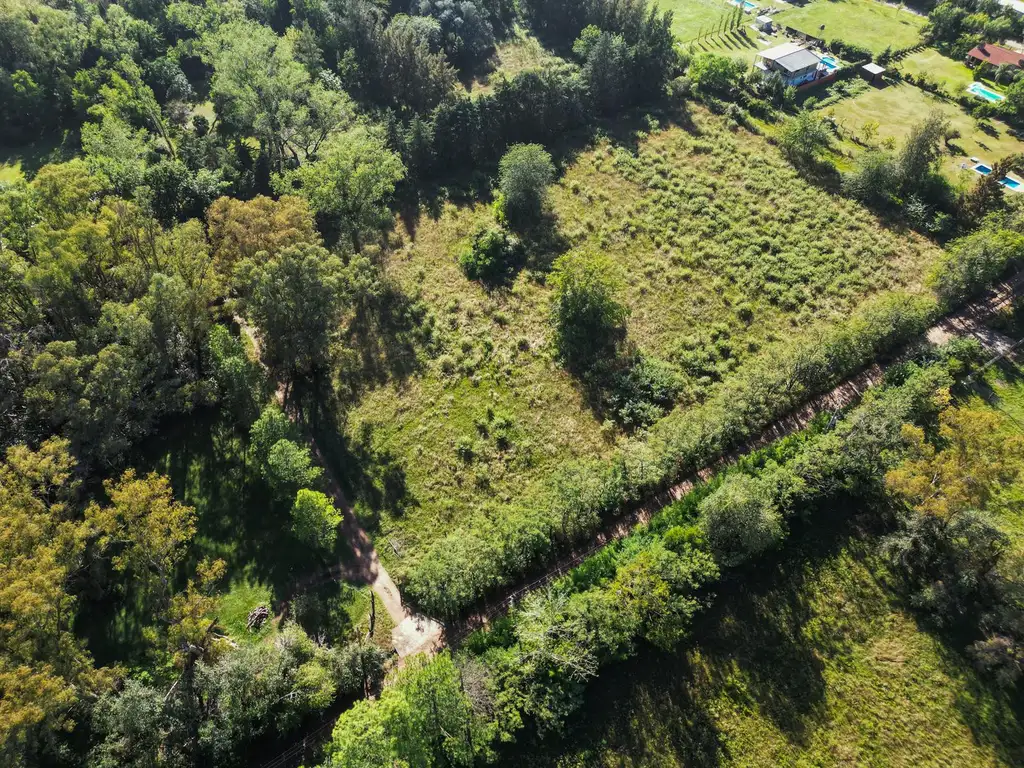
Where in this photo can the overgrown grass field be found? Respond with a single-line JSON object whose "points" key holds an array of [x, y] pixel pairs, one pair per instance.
{"points": [[814, 662], [873, 25], [720, 247]]}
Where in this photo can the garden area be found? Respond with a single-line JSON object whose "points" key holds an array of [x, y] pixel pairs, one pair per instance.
{"points": [[692, 17], [930, 65], [891, 112], [867, 23], [717, 246]]}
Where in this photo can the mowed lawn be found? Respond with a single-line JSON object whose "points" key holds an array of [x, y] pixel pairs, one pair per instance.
{"points": [[871, 24], [694, 17], [897, 108], [719, 247], [951, 74]]}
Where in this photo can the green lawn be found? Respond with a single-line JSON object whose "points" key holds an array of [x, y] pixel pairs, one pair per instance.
{"points": [[811, 663], [897, 108], [953, 75], [868, 23], [691, 18], [720, 247], [735, 44]]}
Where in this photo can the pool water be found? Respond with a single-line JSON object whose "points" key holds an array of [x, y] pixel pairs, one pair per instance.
{"points": [[745, 4], [984, 170], [1010, 183], [980, 90], [831, 63]]}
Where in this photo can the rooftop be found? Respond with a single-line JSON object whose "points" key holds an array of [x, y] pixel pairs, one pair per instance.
{"points": [[994, 54], [873, 69], [792, 57]]}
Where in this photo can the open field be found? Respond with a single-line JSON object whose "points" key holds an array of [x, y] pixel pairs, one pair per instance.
{"points": [[868, 23], [719, 246], [897, 108]]}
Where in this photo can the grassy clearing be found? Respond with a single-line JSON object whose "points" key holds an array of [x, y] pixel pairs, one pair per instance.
{"points": [[18, 162], [520, 53], [868, 23], [897, 108], [720, 247], [812, 664], [235, 606]]}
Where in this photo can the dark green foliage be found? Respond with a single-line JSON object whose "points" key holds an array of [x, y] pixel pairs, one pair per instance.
{"points": [[974, 261], [640, 392], [489, 255], [588, 320], [714, 74]]}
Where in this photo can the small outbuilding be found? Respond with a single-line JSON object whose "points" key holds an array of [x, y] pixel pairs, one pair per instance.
{"points": [[764, 24], [872, 72]]}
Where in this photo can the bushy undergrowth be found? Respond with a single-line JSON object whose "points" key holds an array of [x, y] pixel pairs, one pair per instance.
{"points": [[503, 547], [531, 669]]}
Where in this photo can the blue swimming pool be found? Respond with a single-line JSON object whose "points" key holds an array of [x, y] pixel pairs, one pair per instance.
{"points": [[1010, 183], [745, 4], [985, 93], [983, 169], [830, 63]]}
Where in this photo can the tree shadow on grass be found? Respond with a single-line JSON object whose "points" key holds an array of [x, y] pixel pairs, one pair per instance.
{"points": [[238, 520]]}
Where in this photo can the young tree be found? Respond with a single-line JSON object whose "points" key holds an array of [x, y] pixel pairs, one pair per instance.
{"points": [[289, 467], [524, 174], [804, 138], [589, 322], [349, 183], [314, 519], [715, 74]]}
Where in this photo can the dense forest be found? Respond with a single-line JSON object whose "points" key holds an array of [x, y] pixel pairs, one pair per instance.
{"points": [[497, 272]]}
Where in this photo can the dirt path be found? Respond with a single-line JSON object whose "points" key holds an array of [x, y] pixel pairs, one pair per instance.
{"points": [[413, 633], [968, 322]]}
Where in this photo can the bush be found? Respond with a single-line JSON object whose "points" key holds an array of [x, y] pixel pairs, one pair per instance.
{"points": [[739, 520], [524, 174], [489, 255]]}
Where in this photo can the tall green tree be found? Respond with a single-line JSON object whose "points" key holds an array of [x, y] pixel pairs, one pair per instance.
{"points": [[349, 184], [524, 174], [589, 321]]}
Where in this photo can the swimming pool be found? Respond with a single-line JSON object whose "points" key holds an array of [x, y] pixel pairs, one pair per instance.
{"points": [[1010, 183], [745, 4], [831, 64], [986, 93], [983, 169]]}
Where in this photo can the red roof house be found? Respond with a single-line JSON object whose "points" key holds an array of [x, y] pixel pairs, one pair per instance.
{"points": [[986, 53]]}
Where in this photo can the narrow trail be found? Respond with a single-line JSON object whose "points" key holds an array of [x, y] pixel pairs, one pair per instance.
{"points": [[413, 633], [967, 322]]}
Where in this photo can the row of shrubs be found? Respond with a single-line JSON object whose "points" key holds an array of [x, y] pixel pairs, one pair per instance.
{"points": [[533, 665]]}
